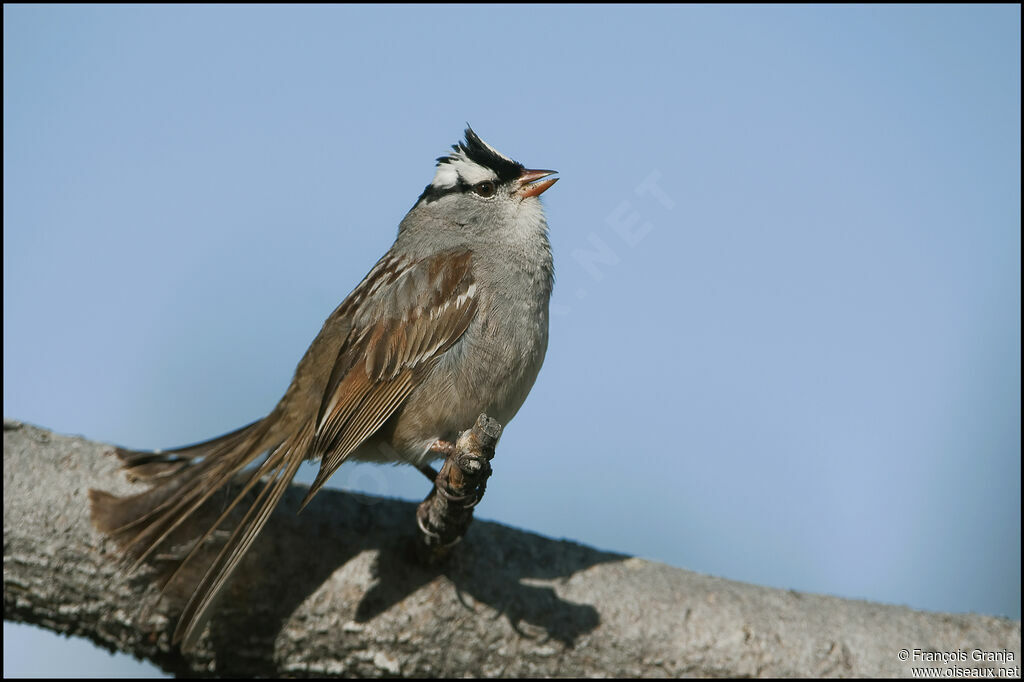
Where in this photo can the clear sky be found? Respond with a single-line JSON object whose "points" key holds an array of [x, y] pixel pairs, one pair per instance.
{"points": [[785, 346]]}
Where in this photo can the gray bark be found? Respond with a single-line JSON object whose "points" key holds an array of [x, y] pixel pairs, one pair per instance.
{"points": [[332, 592]]}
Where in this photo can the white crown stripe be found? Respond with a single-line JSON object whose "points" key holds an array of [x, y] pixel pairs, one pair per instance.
{"points": [[461, 168], [459, 165]]}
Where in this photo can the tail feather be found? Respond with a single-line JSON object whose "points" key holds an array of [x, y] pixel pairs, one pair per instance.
{"points": [[143, 522], [177, 476], [154, 465], [198, 484], [117, 515], [282, 464]]}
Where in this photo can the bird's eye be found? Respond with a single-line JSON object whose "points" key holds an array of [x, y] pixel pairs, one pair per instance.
{"points": [[484, 189]]}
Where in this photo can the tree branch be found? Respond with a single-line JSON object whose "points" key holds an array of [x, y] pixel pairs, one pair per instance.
{"points": [[332, 591]]}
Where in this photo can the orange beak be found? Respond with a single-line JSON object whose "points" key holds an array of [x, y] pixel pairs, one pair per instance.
{"points": [[528, 185]]}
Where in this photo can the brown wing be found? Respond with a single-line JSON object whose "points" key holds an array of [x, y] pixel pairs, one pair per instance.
{"points": [[404, 315], [399, 331]]}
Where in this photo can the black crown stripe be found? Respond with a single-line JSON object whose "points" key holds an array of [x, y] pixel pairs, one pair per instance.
{"points": [[479, 153]]}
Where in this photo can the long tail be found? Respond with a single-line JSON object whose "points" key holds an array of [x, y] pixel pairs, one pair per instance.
{"points": [[183, 480]]}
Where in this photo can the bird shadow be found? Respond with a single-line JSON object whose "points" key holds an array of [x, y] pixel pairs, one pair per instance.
{"points": [[512, 572]]}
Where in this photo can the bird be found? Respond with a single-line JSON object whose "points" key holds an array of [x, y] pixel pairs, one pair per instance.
{"points": [[451, 323]]}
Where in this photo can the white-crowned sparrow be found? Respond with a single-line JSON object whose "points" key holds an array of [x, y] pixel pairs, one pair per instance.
{"points": [[450, 323]]}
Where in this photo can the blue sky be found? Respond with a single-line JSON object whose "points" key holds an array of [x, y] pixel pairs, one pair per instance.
{"points": [[785, 343]]}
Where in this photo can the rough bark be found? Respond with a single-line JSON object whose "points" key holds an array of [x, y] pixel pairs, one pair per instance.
{"points": [[332, 592]]}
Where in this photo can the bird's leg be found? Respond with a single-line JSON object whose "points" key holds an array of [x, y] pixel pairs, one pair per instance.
{"points": [[440, 448], [445, 515], [427, 471]]}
